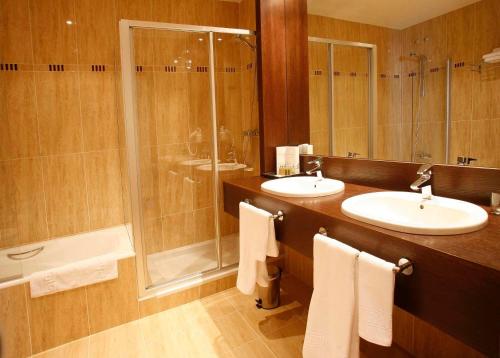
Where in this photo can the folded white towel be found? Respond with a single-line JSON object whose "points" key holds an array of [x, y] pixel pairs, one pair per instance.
{"points": [[67, 277], [331, 324], [376, 298], [257, 240]]}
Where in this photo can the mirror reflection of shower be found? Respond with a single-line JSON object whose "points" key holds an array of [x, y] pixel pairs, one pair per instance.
{"points": [[249, 133], [422, 61]]}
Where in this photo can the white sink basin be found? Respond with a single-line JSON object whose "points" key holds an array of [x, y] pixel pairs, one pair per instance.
{"points": [[302, 187], [408, 212]]}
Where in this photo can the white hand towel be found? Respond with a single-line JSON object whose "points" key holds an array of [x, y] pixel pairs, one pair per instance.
{"points": [[83, 273], [376, 299], [331, 324], [257, 240]]}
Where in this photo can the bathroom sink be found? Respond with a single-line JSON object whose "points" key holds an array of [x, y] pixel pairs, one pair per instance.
{"points": [[303, 187], [410, 213]]}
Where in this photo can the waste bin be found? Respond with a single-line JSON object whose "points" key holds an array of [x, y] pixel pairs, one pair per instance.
{"points": [[269, 297]]}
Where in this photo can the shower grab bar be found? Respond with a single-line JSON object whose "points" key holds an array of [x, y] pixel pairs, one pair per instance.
{"points": [[33, 253], [404, 265], [280, 215]]}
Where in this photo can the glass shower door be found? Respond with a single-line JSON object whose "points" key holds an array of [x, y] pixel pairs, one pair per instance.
{"points": [[176, 151], [237, 125]]}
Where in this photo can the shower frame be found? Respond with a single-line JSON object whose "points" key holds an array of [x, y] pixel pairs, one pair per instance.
{"points": [[132, 144], [372, 88]]}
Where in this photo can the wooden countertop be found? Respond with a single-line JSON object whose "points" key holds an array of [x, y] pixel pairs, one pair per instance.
{"points": [[480, 247]]}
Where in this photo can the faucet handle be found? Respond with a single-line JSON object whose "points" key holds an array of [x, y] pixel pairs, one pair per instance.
{"points": [[318, 160], [424, 168]]}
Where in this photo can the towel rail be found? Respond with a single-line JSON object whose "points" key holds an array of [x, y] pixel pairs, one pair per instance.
{"points": [[404, 265], [280, 215]]}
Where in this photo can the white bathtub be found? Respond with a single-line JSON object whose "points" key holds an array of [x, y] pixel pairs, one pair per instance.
{"points": [[114, 241]]}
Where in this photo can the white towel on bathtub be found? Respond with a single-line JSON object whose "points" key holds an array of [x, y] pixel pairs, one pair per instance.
{"points": [[67, 277]]}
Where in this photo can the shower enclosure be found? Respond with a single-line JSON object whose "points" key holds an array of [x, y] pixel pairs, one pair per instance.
{"points": [[191, 118]]}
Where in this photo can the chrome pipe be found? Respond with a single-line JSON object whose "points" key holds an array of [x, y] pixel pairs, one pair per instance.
{"points": [[448, 111]]}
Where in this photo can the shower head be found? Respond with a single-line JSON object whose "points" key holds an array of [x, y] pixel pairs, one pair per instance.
{"points": [[246, 42]]}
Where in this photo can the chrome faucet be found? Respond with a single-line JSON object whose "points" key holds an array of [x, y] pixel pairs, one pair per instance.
{"points": [[425, 175], [495, 203], [317, 169]]}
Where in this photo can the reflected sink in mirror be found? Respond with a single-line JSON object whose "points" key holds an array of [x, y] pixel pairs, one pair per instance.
{"points": [[410, 213], [223, 167], [303, 187]]}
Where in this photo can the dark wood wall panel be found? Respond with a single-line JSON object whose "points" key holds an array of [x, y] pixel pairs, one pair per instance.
{"points": [[283, 76], [271, 39], [297, 80]]}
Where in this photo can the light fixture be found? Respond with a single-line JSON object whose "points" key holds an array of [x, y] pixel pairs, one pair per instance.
{"points": [[200, 39], [69, 22], [219, 39]]}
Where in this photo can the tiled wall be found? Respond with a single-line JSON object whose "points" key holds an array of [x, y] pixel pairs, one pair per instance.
{"points": [[464, 36], [62, 146]]}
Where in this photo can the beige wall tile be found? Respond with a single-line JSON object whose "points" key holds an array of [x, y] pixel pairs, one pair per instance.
{"points": [[176, 183], [57, 319], [114, 302], [486, 31], [172, 100], [460, 34], [54, 41], [247, 14], [484, 143], [460, 137], [194, 12], [226, 14], [67, 210], [59, 121], [204, 224], [152, 236], [23, 203], [15, 35], [146, 108], [98, 101], [178, 230], [8, 215], [150, 189], [134, 9], [96, 31], [104, 187], [14, 326], [18, 125], [486, 86]]}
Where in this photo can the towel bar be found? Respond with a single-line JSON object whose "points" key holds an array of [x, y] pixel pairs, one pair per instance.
{"points": [[404, 265], [280, 215]]}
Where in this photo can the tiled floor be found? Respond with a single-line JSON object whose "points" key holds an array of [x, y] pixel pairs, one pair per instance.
{"points": [[226, 324]]}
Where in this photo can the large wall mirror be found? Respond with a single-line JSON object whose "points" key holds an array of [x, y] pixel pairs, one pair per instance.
{"points": [[417, 84]]}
